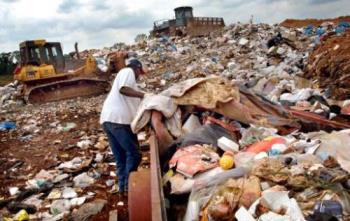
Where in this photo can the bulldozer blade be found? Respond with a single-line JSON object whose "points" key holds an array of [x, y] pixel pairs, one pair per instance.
{"points": [[66, 89]]}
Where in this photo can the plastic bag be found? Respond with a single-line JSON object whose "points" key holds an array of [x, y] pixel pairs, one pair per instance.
{"points": [[254, 134], [7, 125], [204, 188], [266, 144], [191, 124], [207, 134], [180, 185], [22, 215], [244, 159], [194, 159]]}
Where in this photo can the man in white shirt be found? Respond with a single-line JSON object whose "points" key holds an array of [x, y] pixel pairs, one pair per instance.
{"points": [[118, 111]]}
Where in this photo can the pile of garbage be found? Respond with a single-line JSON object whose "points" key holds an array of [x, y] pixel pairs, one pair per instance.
{"points": [[268, 59], [328, 64], [264, 176], [239, 52], [8, 96], [227, 164], [243, 52], [33, 120]]}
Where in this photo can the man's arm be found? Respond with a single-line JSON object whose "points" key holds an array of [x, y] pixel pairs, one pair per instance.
{"points": [[130, 92]]}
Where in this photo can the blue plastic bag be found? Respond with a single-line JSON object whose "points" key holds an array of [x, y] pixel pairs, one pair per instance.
{"points": [[7, 125], [308, 30], [344, 24], [341, 27], [274, 152], [320, 31]]}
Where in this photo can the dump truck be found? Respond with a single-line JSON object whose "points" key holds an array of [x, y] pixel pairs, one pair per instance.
{"points": [[186, 24], [47, 75]]}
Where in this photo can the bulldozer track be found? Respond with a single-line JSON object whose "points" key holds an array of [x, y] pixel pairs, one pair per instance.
{"points": [[66, 89]]}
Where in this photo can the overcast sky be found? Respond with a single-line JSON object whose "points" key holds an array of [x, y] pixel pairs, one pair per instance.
{"points": [[99, 23]]}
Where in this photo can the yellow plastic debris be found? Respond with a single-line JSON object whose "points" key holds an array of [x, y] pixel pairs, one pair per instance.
{"points": [[21, 216], [167, 176], [227, 161], [269, 138]]}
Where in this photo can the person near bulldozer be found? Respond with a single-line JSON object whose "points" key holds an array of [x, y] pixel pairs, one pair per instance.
{"points": [[118, 111]]}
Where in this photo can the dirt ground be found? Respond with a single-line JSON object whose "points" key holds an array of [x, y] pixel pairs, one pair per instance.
{"points": [[299, 23], [329, 65], [22, 160], [5, 79]]}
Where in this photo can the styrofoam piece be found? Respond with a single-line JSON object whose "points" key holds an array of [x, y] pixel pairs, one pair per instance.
{"points": [[191, 124], [228, 145], [243, 215]]}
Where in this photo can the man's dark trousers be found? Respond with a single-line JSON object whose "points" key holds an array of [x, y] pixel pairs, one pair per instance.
{"points": [[125, 148]]}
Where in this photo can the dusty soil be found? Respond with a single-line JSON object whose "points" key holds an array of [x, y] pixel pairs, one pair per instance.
{"points": [[329, 64], [22, 160], [5, 79], [299, 23]]}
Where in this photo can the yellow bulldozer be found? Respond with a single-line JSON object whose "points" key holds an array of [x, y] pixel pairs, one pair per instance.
{"points": [[47, 75]]}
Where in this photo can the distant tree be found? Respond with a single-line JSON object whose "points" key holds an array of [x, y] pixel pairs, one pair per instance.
{"points": [[119, 45], [8, 62], [140, 38]]}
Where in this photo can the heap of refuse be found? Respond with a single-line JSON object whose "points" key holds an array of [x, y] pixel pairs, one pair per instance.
{"points": [[8, 96], [239, 52], [270, 60], [262, 176], [226, 153], [228, 149]]}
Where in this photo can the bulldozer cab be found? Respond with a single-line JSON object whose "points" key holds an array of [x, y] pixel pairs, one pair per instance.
{"points": [[40, 52]]}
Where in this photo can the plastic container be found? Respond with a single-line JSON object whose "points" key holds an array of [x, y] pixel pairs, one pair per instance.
{"points": [[265, 145], [329, 207]]}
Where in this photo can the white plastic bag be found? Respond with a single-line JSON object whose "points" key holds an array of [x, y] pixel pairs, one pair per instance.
{"points": [[204, 188]]}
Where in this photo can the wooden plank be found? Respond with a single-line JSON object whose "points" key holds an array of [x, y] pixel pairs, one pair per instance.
{"points": [[157, 196], [139, 196]]}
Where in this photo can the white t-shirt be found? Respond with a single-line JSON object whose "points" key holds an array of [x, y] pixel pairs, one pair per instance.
{"points": [[117, 107]]}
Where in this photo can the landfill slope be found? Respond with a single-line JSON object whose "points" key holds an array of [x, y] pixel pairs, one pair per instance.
{"points": [[329, 65], [299, 23]]}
